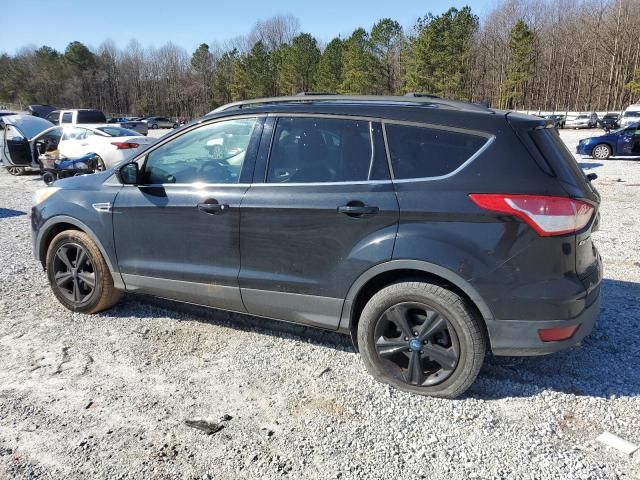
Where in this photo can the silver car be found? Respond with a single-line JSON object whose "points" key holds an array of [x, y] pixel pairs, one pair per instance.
{"points": [[582, 120], [159, 122]]}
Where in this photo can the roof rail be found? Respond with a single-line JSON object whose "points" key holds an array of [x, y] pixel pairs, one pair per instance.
{"points": [[314, 94], [420, 95], [313, 98]]}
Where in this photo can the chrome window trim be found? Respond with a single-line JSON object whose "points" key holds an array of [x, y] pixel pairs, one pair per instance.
{"points": [[479, 152]]}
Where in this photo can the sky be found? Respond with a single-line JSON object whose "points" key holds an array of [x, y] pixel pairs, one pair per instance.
{"points": [[188, 23]]}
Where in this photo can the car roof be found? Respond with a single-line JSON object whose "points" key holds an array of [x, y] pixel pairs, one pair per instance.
{"points": [[27, 124]]}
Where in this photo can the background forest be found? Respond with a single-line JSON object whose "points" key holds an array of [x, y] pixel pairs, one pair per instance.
{"points": [[525, 54]]}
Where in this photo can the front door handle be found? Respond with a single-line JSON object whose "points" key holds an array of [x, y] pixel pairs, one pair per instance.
{"points": [[357, 210], [213, 208]]}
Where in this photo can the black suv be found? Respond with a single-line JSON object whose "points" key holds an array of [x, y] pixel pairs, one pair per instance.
{"points": [[431, 231]]}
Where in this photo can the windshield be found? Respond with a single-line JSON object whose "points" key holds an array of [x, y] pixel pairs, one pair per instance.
{"points": [[635, 114], [118, 132]]}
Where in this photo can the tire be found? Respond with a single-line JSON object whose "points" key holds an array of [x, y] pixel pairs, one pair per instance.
{"points": [[154, 126], [48, 178], [102, 296], [602, 151], [461, 342], [16, 171]]}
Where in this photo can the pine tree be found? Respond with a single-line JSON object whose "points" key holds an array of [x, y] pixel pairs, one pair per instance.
{"points": [[437, 55], [386, 37], [519, 71], [329, 75], [299, 64], [360, 70], [254, 74]]}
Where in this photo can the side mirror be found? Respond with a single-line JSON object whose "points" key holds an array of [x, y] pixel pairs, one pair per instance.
{"points": [[128, 174]]}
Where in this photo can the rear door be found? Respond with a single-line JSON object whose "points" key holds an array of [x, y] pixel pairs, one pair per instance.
{"points": [[320, 212], [626, 141]]}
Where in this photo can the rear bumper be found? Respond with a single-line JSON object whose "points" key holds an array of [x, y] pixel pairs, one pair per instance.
{"points": [[521, 338]]}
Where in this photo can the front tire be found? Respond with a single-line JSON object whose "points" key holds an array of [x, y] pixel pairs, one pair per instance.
{"points": [[16, 171], [601, 151], [421, 338], [154, 126], [78, 274]]}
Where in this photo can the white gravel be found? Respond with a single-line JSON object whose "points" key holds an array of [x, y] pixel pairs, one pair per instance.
{"points": [[107, 396]]}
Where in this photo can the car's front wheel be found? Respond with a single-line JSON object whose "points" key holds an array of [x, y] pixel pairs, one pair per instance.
{"points": [[78, 274], [421, 338], [16, 171], [601, 151]]}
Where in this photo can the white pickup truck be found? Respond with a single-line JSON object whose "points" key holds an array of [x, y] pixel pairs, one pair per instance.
{"points": [[86, 116]]}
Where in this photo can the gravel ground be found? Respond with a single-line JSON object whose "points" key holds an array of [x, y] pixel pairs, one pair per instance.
{"points": [[108, 396]]}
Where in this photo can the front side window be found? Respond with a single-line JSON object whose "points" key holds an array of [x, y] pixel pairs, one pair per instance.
{"points": [[309, 150], [422, 152], [212, 153], [54, 117]]}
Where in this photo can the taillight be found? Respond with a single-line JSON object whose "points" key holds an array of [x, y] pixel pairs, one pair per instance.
{"points": [[557, 334], [125, 145], [546, 215]]}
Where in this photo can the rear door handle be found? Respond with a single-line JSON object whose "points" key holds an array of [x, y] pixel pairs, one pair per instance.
{"points": [[213, 208], [356, 210]]}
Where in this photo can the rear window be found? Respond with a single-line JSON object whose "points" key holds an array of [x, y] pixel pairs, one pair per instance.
{"points": [[91, 117], [422, 152], [118, 132]]}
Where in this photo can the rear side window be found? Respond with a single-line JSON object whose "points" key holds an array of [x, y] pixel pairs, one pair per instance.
{"points": [[311, 150], [91, 117], [67, 117], [422, 152]]}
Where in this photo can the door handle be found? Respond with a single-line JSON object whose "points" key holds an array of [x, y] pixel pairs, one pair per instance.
{"points": [[213, 208], [357, 210]]}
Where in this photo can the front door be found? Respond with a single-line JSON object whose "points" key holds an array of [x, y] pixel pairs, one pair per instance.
{"points": [[321, 212], [626, 141], [176, 234], [16, 149]]}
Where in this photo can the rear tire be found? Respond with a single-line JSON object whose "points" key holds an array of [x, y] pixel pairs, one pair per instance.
{"points": [[602, 151], [439, 350], [78, 274]]}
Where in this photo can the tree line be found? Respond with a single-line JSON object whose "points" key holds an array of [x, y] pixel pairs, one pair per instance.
{"points": [[525, 54]]}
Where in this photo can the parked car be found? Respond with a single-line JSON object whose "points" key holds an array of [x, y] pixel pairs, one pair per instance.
{"points": [[430, 235], [130, 124], [622, 142], [111, 143], [630, 115], [558, 120], [38, 110], [18, 134], [77, 116], [4, 113], [159, 122], [582, 120], [609, 121]]}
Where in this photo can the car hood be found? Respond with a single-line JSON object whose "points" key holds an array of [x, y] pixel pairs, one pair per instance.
{"points": [[92, 181], [29, 125], [610, 136]]}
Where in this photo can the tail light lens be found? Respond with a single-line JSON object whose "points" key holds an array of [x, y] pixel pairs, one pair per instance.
{"points": [[545, 214], [557, 334], [125, 145]]}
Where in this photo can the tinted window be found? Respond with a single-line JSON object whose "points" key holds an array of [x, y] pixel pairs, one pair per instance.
{"points": [[631, 114], [308, 150], [76, 133], [212, 153], [54, 117], [91, 116], [418, 152], [67, 117]]}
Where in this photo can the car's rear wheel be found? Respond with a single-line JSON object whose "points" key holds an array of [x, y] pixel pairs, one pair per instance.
{"points": [[154, 126], [601, 151], [421, 338], [78, 274], [16, 171]]}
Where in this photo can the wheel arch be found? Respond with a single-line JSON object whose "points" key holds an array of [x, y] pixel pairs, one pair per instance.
{"points": [[57, 224], [381, 275]]}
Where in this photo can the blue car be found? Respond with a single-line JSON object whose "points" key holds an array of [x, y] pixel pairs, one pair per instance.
{"points": [[622, 142]]}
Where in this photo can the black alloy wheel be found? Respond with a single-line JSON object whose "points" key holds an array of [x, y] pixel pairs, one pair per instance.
{"points": [[74, 273], [416, 343]]}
